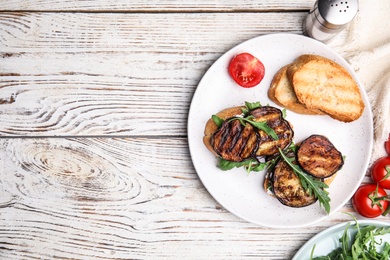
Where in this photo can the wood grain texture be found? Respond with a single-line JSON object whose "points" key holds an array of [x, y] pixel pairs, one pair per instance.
{"points": [[160, 6], [128, 198], [113, 74], [94, 160]]}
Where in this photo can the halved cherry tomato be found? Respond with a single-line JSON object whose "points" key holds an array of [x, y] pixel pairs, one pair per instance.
{"points": [[246, 70], [380, 172], [367, 200]]}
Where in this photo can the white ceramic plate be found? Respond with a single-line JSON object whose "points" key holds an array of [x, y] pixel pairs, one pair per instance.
{"points": [[328, 240], [242, 194]]}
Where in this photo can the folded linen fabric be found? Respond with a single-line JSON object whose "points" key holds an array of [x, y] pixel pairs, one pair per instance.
{"points": [[367, 49]]}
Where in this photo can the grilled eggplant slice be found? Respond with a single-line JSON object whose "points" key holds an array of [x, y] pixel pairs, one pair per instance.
{"points": [[287, 187], [319, 157], [274, 118], [235, 142]]}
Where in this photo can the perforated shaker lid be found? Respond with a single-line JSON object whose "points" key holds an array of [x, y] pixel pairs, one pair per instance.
{"points": [[336, 13]]}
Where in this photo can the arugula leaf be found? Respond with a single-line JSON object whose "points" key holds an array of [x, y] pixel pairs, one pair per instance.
{"points": [[249, 165], [217, 120], [284, 113], [249, 119], [344, 241], [312, 185], [226, 165], [257, 166], [252, 105], [362, 245], [259, 125]]}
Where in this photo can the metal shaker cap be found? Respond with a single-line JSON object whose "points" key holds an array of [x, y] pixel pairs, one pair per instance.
{"points": [[336, 13]]}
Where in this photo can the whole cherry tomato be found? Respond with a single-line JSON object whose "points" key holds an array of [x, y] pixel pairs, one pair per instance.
{"points": [[246, 70], [380, 172], [367, 200], [387, 146]]}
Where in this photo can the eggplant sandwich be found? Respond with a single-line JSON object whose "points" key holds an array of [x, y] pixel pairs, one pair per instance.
{"points": [[297, 175], [239, 137]]}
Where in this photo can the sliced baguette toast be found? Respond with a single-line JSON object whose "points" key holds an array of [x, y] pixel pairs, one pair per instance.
{"points": [[282, 93], [322, 84]]}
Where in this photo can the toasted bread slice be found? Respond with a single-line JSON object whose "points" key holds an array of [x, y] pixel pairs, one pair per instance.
{"points": [[274, 84], [330, 179], [322, 84], [282, 93]]}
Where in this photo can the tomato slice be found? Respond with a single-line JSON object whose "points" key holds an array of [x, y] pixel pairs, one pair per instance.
{"points": [[363, 203], [246, 70]]}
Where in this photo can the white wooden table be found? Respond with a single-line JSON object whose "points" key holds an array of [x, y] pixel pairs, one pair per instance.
{"points": [[94, 159]]}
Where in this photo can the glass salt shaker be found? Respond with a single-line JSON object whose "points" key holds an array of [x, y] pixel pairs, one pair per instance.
{"points": [[328, 17]]}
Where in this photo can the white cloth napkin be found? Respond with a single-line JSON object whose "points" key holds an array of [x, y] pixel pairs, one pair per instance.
{"points": [[367, 49]]}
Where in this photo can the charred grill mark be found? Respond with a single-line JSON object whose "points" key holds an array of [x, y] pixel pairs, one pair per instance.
{"points": [[250, 141], [233, 131], [287, 187], [319, 157], [274, 119], [234, 141], [235, 136]]}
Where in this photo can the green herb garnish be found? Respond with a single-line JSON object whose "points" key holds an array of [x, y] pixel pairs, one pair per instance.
{"points": [[362, 245], [217, 120], [249, 165], [284, 113], [310, 184], [249, 119], [250, 106], [259, 125]]}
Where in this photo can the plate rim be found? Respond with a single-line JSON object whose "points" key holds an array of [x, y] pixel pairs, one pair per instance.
{"points": [[309, 243]]}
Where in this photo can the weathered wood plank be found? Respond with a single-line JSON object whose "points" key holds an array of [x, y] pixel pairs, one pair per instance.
{"points": [[121, 68], [113, 74], [160, 6], [130, 198], [129, 32]]}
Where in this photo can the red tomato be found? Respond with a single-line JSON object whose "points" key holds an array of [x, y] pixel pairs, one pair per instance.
{"points": [[380, 172], [366, 206], [387, 146], [246, 70]]}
